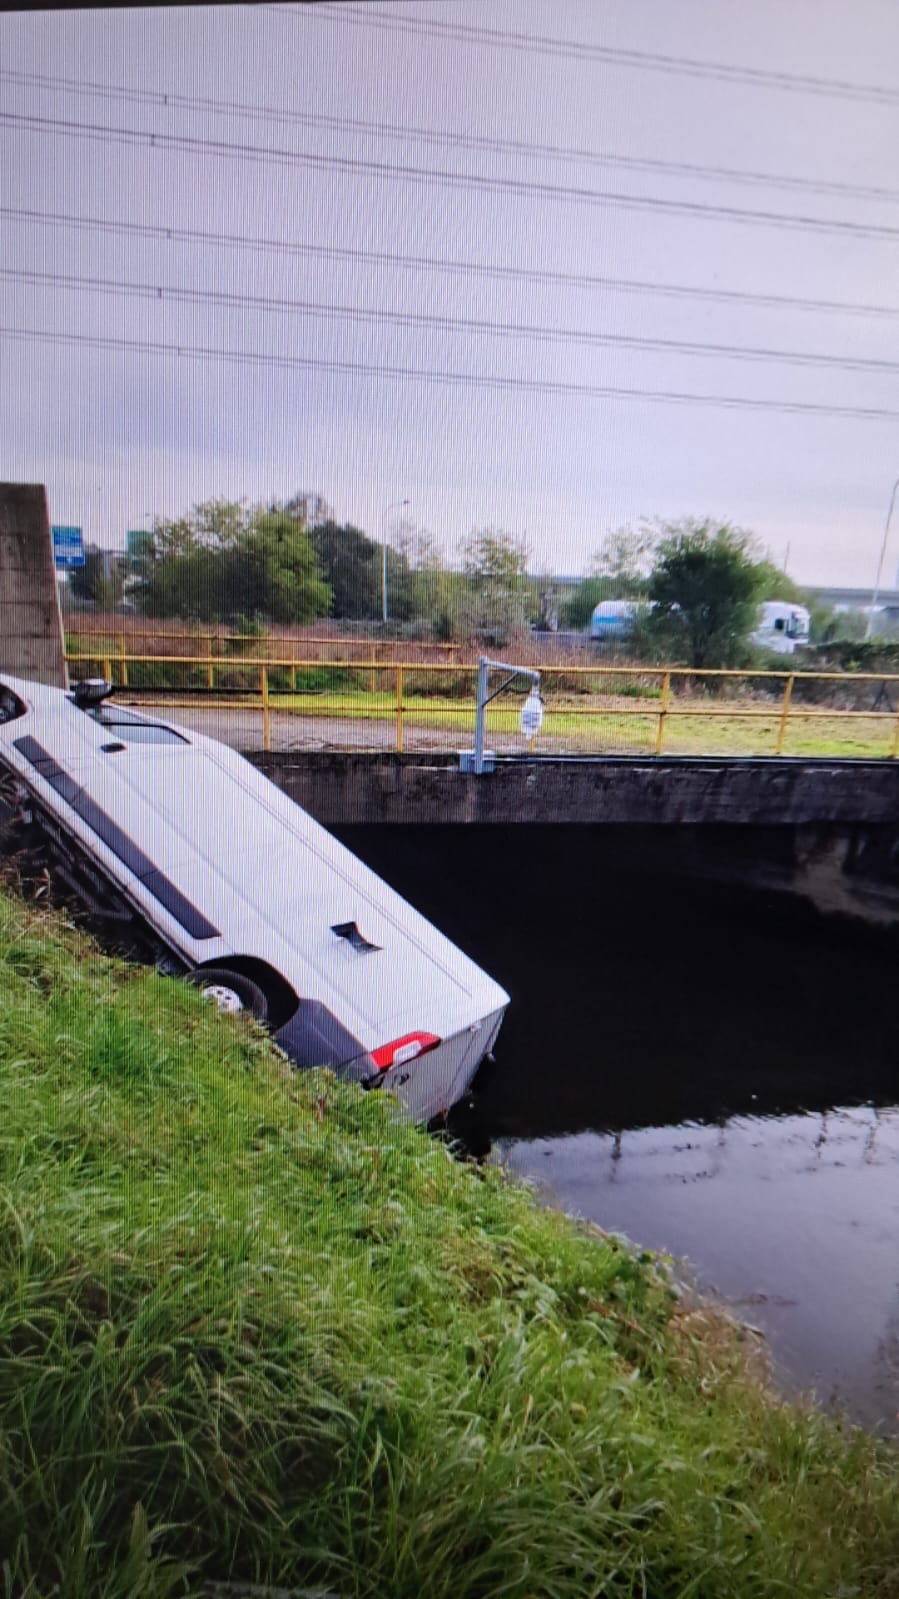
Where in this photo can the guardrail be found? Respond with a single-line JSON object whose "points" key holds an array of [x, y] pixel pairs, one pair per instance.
{"points": [[368, 652], [671, 699]]}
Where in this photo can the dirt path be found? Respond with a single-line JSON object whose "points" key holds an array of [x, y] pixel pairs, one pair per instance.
{"points": [[241, 728]]}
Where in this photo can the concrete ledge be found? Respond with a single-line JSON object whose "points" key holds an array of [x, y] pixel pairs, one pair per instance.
{"points": [[339, 788]]}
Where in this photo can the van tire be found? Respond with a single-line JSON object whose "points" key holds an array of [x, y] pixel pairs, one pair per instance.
{"points": [[247, 993]]}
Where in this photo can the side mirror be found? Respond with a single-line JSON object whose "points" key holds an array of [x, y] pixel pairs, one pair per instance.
{"points": [[91, 691]]}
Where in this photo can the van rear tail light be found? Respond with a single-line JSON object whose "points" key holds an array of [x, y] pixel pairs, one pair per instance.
{"points": [[409, 1047]]}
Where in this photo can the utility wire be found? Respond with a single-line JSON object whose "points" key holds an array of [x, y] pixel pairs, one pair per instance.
{"points": [[446, 378], [582, 50], [441, 139], [447, 324], [431, 176], [353, 255]]}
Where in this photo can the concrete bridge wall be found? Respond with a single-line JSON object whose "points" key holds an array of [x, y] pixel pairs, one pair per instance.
{"points": [[31, 636], [343, 788]]}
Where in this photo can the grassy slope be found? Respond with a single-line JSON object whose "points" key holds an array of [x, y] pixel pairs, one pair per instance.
{"points": [[254, 1325]]}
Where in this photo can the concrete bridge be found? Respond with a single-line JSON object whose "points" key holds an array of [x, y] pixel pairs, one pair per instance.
{"points": [[824, 829]]}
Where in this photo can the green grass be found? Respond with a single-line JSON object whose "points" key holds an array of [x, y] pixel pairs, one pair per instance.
{"points": [[255, 1326]]}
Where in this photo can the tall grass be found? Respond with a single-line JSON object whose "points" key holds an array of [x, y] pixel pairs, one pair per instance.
{"points": [[256, 1327]]}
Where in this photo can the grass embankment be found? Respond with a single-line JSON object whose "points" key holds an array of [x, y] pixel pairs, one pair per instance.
{"points": [[254, 1326]]}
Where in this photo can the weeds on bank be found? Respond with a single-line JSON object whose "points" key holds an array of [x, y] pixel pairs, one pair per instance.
{"points": [[255, 1326]]}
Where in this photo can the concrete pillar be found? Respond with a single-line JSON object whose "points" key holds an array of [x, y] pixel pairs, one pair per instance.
{"points": [[31, 635]]}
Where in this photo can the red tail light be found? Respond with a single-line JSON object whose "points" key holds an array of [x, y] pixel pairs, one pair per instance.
{"points": [[409, 1047]]}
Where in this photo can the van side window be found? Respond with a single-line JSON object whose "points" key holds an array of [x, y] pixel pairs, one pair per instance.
{"points": [[10, 706], [779, 624]]}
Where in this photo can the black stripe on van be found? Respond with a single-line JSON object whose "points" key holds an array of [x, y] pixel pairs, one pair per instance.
{"points": [[171, 898]]}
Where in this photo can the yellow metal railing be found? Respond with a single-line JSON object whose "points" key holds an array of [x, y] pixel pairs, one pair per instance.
{"points": [[399, 704]]}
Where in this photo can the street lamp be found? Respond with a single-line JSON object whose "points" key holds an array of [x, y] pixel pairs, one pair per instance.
{"points": [[883, 550], [394, 506]]}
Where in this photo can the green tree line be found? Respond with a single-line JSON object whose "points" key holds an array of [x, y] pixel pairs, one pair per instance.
{"points": [[230, 562]]}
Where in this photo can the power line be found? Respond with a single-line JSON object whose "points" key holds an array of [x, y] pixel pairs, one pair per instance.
{"points": [[447, 379], [449, 324], [356, 255], [582, 50], [165, 100], [431, 176]]}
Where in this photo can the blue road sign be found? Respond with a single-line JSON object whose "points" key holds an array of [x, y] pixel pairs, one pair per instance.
{"points": [[68, 548]]}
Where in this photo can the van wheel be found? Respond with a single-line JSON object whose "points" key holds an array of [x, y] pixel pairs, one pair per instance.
{"points": [[230, 991]]}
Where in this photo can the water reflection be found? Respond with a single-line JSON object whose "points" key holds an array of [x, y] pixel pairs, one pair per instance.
{"points": [[792, 1221], [706, 1069]]}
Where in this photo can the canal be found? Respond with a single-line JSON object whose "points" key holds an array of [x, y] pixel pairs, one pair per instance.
{"points": [[709, 1070]]}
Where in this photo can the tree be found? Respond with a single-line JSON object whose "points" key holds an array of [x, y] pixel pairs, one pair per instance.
{"points": [[776, 584], [271, 571], [619, 571], [497, 598], [212, 524], [624, 560], [705, 585], [310, 508], [425, 586], [100, 581], [233, 562], [490, 556], [350, 563]]}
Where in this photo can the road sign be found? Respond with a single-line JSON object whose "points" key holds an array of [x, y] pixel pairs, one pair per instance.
{"points": [[68, 548], [138, 543]]}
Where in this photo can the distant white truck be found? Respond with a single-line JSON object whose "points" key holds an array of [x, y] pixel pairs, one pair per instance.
{"points": [[781, 626]]}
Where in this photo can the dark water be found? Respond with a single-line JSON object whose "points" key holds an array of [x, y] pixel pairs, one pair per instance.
{"points": [[708, 1070]]}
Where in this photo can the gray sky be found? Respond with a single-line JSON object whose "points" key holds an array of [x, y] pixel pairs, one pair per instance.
{"points": [[121, 435]]}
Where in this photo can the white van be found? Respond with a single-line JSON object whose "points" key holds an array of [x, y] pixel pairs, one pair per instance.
{"points": [[781, 627], [242, 890]]}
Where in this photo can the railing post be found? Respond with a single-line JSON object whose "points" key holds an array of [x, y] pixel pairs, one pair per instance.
{"points": [[266, 714], [293, 666], [663, 711], [123, 658], [107, 669], [209, 681], [481, 715], [784, 714], [894, 751], [371, 674], [399, 710]]}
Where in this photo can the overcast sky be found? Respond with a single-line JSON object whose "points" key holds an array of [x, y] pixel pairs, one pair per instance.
{"points": [[119, 435]]}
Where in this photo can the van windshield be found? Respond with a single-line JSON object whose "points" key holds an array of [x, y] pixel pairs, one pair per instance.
{"points": [[133, 729]]}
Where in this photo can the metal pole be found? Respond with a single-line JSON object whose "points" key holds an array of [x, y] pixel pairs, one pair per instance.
{"points": [[485, 666], [481, 714], [399, 710], [784, 714], [883, 550]]}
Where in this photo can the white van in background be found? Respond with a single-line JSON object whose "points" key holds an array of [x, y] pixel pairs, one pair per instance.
{"points": [[241, 890], [782, 627]]}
